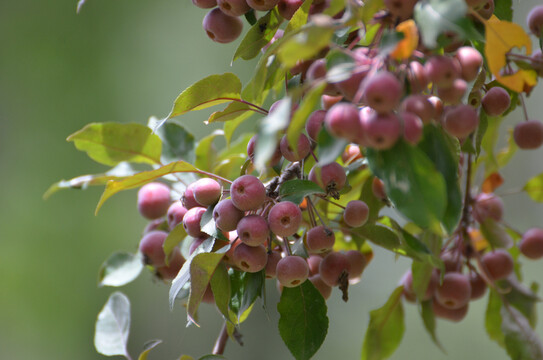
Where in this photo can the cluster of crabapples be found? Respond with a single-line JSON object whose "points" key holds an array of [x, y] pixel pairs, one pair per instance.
{"points": [[258, 228], [468, 271]]}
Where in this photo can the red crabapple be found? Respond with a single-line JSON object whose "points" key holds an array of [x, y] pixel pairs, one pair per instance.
{"points": [[498, 264], [487, 205], [420, 106], [191, 221], [314, 123], [461, 121], [528, 134], [343, 121], [358, 263], [412, 127], [381, 130], [454, 291], [253, 230], [303, 147], [151, 248], [496, 101], [175, 214], [287, 8], [356, 213], [531, 244], [271, 265], [205, 4], [248, 192], [454, 315], [320, 240], [478, 286], [250, 258], [535, 20], [351, 153], [275, 159], [233, 7], [220, 27], [188, 199], [378, 188], [324, 289], [470, 61], [409, 293], [195, 243], [207, 191], [292, 271], [333, 266], [418, 80], [327, 101], [330, 177], [317, 72], [262, 5], [442, 70], [153, 200], [284, 218], [227, 215], [382, 92], [176, 262], [453, 94], [313, 261]]}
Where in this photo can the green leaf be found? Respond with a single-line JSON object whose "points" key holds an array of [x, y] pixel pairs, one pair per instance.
{"points": [[184, 274], [174, 238], [147, 347], [339, 66], [329, 147], [506, 154], [295, 190], [143, 178], [202, 267], [493, 318], [379, 235], [235, 110], [374, 204], [177, 142], [370, 8], [422, 273], [111, 143], [304, 44], [80, 182], [267, 134], [488, 144], [303, 323], [299, 118], [385, 330], [206, 154], [220, 286], [210, 91], [503, 9], [299, 18], [481, 130], [522, 298], [429, 321], [246, 287], [521, 341], [120, 269], [534, 188], [433, 17], [494, 232], [258, 36], [412, 183], [113, 326], [443, 150]]}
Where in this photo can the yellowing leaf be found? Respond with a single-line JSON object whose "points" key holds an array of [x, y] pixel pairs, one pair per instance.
{"points": [[478, 241], [492, 182], [501, 38], [405, 47]]}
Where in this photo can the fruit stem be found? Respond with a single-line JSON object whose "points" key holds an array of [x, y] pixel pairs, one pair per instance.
{"points": [[524, 110], [332, 202], [220, 343], [310, 203]]}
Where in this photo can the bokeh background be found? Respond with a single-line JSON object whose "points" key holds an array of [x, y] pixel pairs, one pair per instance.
{"points": [[124, 61]]}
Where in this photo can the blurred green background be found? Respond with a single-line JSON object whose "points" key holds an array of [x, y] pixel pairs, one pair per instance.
{"points": [[124, 61]]}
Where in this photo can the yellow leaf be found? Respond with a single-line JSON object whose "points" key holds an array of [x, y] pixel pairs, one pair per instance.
{"points": [[501, 38], [478, 241], [409, 43]]}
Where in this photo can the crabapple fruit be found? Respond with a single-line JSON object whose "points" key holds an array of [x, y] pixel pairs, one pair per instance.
{"points": [[151, 248], [233, 7], [356, 213], [302, 149], [262, 5], [487, 205], [357, 262], [382, 92], [284, 218], [442, 70], [412, 127], [324, 289], [320, 240], [188, 199], [343, 121], [175, 214], [470, 61], [498, 264], [153, 200], [247, 192], [191, 221], [496, 101], [314, 123], [528, 134], [207, 191], [478, 286], [461, 121], [220, 27], [287, 8], [454, 291], [271, 265], [205, 4], [227, 215], [531, 244], [454, 315], [330, 177], [333, 266], [420, 106], [170, 271], [253, 230], [535, 20], [275, 159], [381, 130], [250, 258], [292, 271]]}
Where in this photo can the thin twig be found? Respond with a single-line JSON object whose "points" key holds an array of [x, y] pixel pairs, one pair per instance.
{"points": [[220, 343]]}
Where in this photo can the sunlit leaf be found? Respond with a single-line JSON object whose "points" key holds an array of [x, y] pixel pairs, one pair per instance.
{"points": [[174, 238], [150, 345], [299, 18], [534, 188], [246, 287], [305, 44], [303, 323], [258, 35], [434, 17], [330, 148], [220, 286], [385, 330], [267, 134], [113, 326], [210, 91], [120, 269], [111, 143], [235, 110], [177, 142], [295, 190], [370, 8], [379, 235], [206, 154], [409, 43], [202, 267], [143, 178], [307, 105], [80, 182]]}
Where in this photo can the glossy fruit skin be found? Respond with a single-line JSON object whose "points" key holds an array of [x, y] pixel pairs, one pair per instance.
{"points": [[271, 265], [332, 266], [531, 244], [420, 106], [175, 214], [207, 191], [284, 218], [356, 213], [247, 192], [170, 271], [292, 271], [478, 286], [324, 289], [191, 221], [233, 7], [220, 27], [498, 264], [151, 248], [205, 4], [320, 240], [535, 20], [496, 101], [330, 176], [461, 121], [442, 70], [253, 230], [381, 131], [188, 199], [262, 5], [528, 135], [250, 258], [343, 121], [488, 205], [382, 92], [454, 291], [412, 127], [454, 315], [470, 61], [153, 200], [357, 263], [227, 215], [314, 124], [303, 147]]}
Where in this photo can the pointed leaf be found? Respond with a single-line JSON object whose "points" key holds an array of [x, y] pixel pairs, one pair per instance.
{"points": [[434, 17], [303, 324], [205, 152], [296, 190], [305, 44], [150, 345], [412, 183], [80, 182], [120, 269], [235, 110], [143, 178], [386, 329], [534, 188], [210, 91], [493, 318], [258, 36], [308, 104], [202, 267], [329, 147], [379, 235], [267, 134], [521, 341], [220, 286], [177, 142], [113, 326], [299, 18], [246, 287], [429, 321], [111, 143], [174, 238]]}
